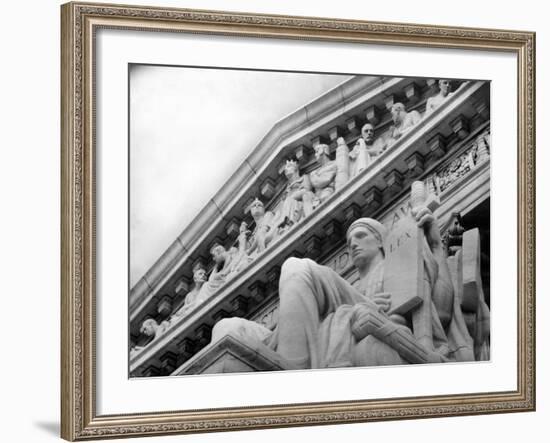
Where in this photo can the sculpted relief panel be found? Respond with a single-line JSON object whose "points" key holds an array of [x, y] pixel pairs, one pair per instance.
{"points": [[476, 155]]}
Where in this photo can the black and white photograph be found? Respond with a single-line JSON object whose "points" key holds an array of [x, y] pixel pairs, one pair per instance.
{"points": [[276, 221], [283, 220]]}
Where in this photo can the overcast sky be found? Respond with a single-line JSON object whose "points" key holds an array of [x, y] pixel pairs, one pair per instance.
{"points": [[190, 128]]}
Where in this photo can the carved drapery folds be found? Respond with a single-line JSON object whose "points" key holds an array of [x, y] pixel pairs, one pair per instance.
{"points": [[265, 230], [473, 157], [297, 197], [323, 178], [437, 100]]}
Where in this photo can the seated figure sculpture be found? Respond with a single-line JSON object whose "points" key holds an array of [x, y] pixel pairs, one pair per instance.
{"points": [[403, 121], [326, 322], [150, 328], [227, 263], [305, 193], [437, 100]]}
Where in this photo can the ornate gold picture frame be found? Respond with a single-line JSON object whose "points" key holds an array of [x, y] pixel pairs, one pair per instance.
{"points": [[80, 24]]}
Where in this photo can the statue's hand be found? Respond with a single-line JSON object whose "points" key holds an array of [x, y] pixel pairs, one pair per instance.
{"points": [[359, 320], [382, 300], [426, 220]]}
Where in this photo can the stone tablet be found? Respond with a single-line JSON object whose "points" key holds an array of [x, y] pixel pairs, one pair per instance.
{"points": [[471, 270], [404, 266]]}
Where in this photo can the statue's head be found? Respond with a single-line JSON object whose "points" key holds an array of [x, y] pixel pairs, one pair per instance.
{"points": [[199, 274], [365, 239], [444, 86], [149, 327], [219, 254], [257, 208], [398, 112], [291, 168], [367, 132], [320, 150]]}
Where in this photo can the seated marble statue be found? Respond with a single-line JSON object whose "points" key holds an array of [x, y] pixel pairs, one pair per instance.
{"points": [[297, 198], [227, 263], [324, 321], [323, 178], [403, 121], [150, 328], [437, 100], [264, 231], [365, 150], [191, 299]]}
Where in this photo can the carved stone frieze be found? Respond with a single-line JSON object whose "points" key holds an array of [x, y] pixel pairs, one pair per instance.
{"points": [[474, 156]]}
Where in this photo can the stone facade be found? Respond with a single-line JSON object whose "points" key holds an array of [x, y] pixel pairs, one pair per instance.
{"points": [[354, 152]]}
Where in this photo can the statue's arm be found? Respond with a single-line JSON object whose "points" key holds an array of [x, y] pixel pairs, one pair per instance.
{"points": [[355, 151], [380, 144], [243, 240], [412, 119], [334, 171], [443, 293], [307, 186], [429, 106], [303, 189], [271, 227], [252, 245]]}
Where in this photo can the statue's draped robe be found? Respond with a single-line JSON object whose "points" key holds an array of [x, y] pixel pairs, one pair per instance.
{"points": [[189, 303], [264, 233], [292, 208], [316, 312], [322, 180], [360, 159], [235, 263]]}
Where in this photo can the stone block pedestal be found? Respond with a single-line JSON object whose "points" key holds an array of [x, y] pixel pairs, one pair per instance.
{"points": [[230, 355]]}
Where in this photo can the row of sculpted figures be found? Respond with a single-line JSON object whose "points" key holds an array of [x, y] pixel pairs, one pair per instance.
{"points": [[411, 303], [302, 195]]}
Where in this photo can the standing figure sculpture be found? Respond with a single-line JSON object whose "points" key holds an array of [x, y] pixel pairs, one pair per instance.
{"points": [[265, 230], [365, 150], [323, 178], [375, 146], [437, 100], [324, 321], [297, 197], [192, 297], [403, 121]]}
